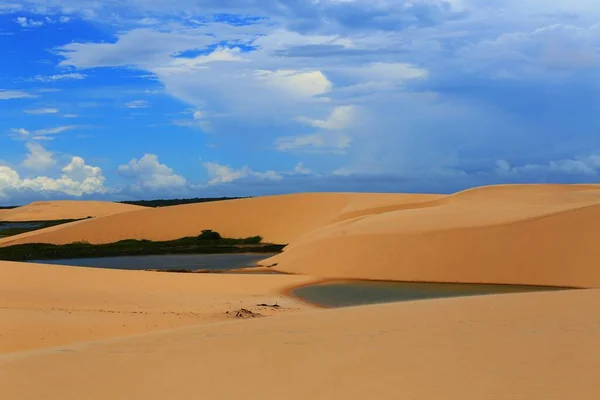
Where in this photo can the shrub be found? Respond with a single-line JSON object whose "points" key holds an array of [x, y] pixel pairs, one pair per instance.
{"points": [[209, 234]]}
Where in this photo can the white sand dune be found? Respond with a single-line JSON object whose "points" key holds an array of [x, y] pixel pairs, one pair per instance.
{"points": [[64, 209], [526, 346]]}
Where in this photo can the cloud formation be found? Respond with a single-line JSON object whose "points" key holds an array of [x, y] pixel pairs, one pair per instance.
{"points": [[38, 158], [77, 179], [219, 174], [150, 175], [422, 94]]}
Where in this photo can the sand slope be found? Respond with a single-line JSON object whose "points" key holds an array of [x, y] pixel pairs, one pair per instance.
{"points": [[279, 219], [46, 305], [65, 209], [541, 235], [533, 346]]}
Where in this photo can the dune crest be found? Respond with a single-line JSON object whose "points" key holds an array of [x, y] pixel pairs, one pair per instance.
{"points": [[64, 209]]}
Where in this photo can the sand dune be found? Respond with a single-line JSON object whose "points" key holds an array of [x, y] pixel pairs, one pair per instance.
{"points": [[521, 346], [279, 219], [65, 209], [539, 235], [45, 305], [532, 346], [517, 234]]}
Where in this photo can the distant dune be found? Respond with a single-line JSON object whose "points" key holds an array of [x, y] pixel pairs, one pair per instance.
{"points": [[517, 234], [279, 219], [65, 209]]}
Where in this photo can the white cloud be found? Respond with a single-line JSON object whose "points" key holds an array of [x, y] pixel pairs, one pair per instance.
{"points": [[15, 94], [393, 72], [220, 173], [20, 132], [38, 158], [28, 23], [64, 19], [77, 179], [9, 179], [70, 115], [340, 118], [137, 104], [546, 52], [79, 171], [326, 142], [149, 174], [61, 77], [40, 134], [302, 170], [296, 83], [582, 165], [55, 130], [43, 111], [186, 65], [7, 8], [149, 21], [144, 47]]}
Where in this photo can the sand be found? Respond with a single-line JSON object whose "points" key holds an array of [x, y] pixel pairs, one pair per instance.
{"points": [[531, 346], [536, 235], [46, 305], [65, 209], [72, 333]]}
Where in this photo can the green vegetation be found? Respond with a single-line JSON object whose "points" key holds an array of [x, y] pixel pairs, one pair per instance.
{"points": [[175, 202], [208, 242], [11, 228]]}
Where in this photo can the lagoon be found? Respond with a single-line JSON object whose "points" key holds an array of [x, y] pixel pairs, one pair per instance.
{"points": [[217, 262], [354, 293]]}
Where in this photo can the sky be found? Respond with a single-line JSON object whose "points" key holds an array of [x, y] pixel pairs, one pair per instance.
{"points": [[141, 99]]}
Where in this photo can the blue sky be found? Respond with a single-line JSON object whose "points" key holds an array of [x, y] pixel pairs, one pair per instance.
{"points": [[135, 99]]}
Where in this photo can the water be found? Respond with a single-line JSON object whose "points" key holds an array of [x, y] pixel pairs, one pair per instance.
{"points": [[19, 225], [354, 293], [166, 262]]}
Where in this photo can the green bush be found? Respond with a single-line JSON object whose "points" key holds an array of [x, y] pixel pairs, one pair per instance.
{"points": [[208, 242]]}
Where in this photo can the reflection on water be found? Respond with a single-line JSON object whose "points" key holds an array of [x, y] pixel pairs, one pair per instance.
{"points": [[353, 293], [167, 262]]}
